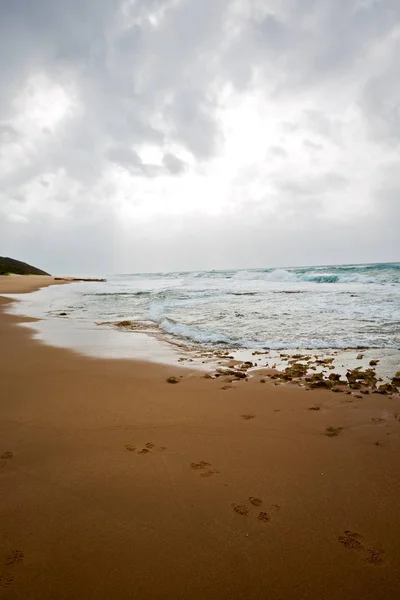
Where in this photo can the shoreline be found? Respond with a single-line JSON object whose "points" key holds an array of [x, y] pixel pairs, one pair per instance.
{"points": [[121, 484], [134, 340]]}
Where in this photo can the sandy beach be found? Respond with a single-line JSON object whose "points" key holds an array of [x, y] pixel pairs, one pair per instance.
{"points": [[117, 484]]}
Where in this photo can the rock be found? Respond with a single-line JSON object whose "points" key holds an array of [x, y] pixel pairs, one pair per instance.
{"points": [[324, 361], [396, 380], [63, 314], [373, 363], [294, 371], [173, 380], [239, 374], [208, 376], [334, 377], [360, 356], [320, 383], [286, 377], [358, 378], [123, 324], [386, 388]]}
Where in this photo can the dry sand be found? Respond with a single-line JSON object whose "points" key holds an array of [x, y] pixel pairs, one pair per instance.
{"points": [[118, 485], [20, 284]]}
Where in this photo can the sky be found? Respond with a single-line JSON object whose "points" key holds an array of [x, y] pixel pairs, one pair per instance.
{"points": [[163, 135]]}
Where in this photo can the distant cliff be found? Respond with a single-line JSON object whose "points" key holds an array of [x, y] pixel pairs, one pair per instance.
{"points": [[10, 265]]}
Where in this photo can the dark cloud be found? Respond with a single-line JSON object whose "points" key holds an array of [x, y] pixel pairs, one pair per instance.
{"points": [[174, 164], [163, 74], [129, 159]]}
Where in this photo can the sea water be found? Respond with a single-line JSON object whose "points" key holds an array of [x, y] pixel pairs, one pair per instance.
{"points": [[324, 307]]}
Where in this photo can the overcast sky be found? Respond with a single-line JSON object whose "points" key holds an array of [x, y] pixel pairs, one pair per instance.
{"points": [[151, 135]]}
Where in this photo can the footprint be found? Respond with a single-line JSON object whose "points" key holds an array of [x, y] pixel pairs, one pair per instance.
{"points": [[209, 473], [6, 580], [15, 557], [377, 420], [276, 507], [255, 501], [226, 387], [247, 417], [7, 455], [149, 445], [263, 516], [200, 465], [144, 451], [333, 431], [161, 448], [350, 540], [353, 534], [130, 448], [375, 556], [241, 509]]}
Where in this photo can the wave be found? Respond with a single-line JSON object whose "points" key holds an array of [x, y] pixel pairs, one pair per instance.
{"points": [[215, 338], [369, 274], [278, 275], [112, 294], [385, 270], [194, 334], [325, 278], [274, 275]]}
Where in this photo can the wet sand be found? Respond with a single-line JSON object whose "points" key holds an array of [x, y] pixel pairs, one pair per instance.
{"points": [[117, 484]]}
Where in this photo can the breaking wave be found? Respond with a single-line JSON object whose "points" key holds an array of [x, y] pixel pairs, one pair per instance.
{"points": [[365, 274]]}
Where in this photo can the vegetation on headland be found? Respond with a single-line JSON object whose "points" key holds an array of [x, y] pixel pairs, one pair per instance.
{"points": [[11, 266]]}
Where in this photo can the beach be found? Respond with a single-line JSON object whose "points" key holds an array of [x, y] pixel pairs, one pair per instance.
{"points": [[118, 484]]}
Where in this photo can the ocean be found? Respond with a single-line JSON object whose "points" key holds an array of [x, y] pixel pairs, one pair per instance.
{"points": [[319, 308]]}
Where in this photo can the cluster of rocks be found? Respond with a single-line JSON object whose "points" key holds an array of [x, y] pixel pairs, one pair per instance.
{"points": [[236, 373], [356, 379], [298, 373]]}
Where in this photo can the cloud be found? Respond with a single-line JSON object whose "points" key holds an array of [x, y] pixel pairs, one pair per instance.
{"points": [[174, 164], [219, 121]]}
